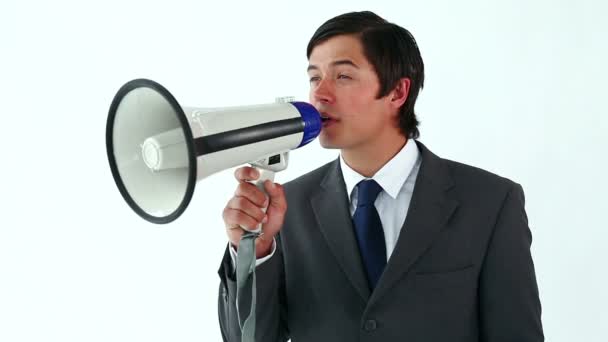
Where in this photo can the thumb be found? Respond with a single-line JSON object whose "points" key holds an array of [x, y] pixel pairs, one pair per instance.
{"points": [[275, 193], [276, 208]]}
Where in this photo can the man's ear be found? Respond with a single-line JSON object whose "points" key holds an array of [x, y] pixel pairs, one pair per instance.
{"points": [[400, 93]]}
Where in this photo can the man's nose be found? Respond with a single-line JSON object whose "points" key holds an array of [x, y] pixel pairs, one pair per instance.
{"points": [[323, 92]]}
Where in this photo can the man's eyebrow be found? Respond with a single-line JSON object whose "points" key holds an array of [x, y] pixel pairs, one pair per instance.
{"points": [[335, 63]]}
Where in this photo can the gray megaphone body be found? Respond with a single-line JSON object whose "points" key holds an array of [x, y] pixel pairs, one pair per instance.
{"points": [[158, 150]]}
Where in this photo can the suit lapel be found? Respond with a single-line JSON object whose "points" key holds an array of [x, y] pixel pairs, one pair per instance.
{"points": [[331, 208], [430, 209]]}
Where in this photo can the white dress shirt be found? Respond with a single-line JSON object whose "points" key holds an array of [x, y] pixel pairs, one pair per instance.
{"points": [[397, 178]]}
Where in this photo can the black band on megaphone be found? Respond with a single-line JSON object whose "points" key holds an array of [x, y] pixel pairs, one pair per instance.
{"points": [[247, 135]]}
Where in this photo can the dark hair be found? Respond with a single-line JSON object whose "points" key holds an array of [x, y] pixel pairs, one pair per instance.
{"points": [[390, 48]]}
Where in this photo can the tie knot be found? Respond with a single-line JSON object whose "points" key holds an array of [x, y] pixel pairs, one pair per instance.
{"points": [[368, 190]]}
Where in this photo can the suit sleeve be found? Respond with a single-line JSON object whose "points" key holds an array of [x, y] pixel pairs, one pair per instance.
{"points": [[270, 311], [510, 308]]}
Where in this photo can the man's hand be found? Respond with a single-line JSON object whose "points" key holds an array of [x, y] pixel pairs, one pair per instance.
{"points": [[245, 210]]}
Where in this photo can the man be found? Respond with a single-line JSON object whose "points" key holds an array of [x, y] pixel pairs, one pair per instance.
{"points": [[388, 242]]}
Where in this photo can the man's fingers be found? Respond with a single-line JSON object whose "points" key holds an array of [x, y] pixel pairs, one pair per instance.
{"points": [[234, 218], [246, 173], [244, 205], [252, 193]]}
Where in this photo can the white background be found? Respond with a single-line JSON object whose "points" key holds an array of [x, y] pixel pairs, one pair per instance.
{"points": [[514, 87]]}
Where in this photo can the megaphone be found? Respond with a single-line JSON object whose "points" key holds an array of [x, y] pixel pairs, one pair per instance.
{"points": [[158, 150]]}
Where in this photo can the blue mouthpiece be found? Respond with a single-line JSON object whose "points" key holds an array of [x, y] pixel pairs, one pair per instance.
{"points": [[312, 121]]}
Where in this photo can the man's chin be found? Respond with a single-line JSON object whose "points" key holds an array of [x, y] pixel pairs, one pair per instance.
{"points": [[328, 144]]}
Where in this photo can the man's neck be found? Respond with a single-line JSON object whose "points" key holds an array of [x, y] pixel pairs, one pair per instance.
{"points": [[368, 159]]}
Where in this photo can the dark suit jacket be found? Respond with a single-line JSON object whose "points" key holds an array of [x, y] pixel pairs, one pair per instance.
{"points": [[461, 269]]}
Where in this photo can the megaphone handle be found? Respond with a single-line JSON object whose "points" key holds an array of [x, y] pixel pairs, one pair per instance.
{"points": [[259, 183]]}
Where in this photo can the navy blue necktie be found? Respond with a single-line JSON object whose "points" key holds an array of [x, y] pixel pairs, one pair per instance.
{"points": [[369, 232]]}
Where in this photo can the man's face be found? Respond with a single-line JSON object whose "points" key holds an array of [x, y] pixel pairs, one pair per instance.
{"points": [[343, 87]]}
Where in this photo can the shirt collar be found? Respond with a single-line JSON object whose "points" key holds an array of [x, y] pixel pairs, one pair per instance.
{"points": [[391, 176]]}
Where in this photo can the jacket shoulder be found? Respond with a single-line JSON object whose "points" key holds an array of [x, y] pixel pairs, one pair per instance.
{"points": [[478, 179], [309, 181]]}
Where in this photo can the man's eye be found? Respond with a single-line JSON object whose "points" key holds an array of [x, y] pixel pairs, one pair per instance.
{"points": [[314, 79], [344, 77]]}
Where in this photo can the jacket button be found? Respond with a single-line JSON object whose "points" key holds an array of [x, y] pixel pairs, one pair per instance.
{"points": [[370, 325]]}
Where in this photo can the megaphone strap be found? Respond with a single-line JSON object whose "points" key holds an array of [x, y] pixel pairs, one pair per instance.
{"points": [[246, 285]]}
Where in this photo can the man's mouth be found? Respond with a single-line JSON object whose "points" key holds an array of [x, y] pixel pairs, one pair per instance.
{"points": [[326, 118]]}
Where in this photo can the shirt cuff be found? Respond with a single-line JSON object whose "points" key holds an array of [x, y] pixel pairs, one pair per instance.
{"points": [[258, 262]]}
